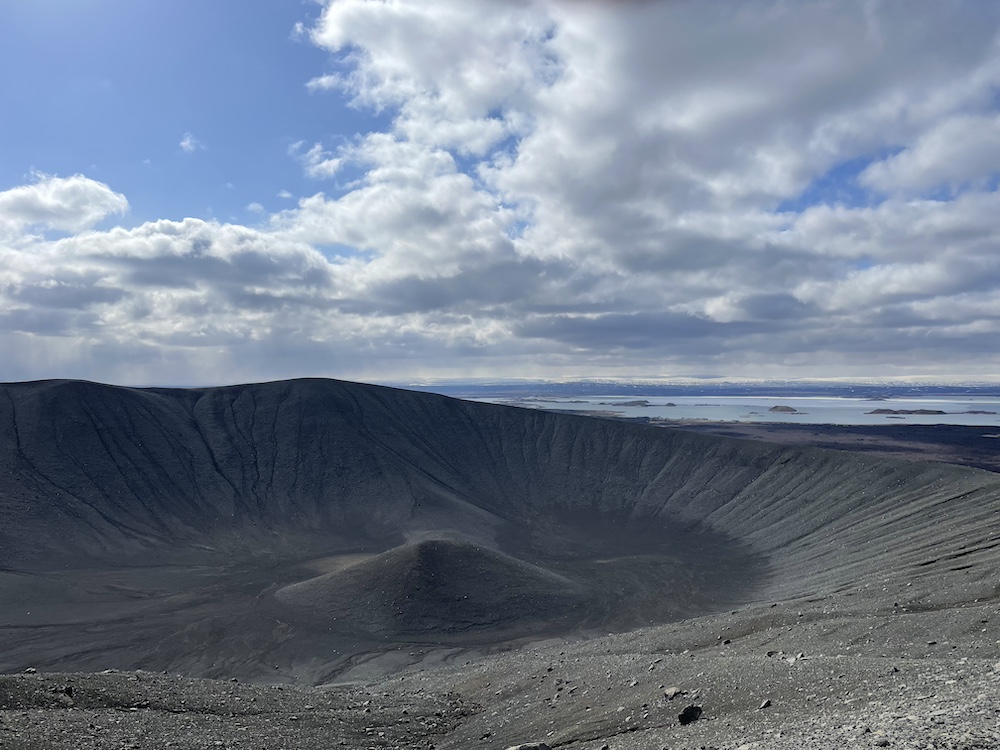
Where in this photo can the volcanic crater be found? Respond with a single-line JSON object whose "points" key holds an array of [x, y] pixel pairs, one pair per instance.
{"points": [[317, 531]]}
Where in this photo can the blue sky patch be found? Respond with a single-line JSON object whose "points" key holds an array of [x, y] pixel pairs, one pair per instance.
{"points": [[110, 88], [837, 187]]}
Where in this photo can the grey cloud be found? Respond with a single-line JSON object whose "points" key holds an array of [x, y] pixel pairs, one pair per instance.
{"points": [[672, 251], [634, 331], [249, 266], [63, 294], [916, 342], [505, 282], [261, 300], [46, 322], [678, 252], [777, 307], [166, 273]]}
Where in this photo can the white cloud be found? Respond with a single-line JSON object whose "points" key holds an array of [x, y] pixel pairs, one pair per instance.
{"points": [[318, 162], [70, 204], [960, 150], [645, 148], [326, 82], [255, 208], [189, 144], [462, 75], [415, 211]]}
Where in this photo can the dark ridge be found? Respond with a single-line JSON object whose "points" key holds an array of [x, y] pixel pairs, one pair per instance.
{"points": [[218, 531]]}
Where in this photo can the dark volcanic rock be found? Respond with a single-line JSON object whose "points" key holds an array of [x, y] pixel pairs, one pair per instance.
{"points": [[282, 530], [690, 714]]}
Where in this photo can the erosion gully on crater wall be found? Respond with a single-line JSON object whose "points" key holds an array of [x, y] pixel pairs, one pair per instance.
{"points": [[285, 531]]}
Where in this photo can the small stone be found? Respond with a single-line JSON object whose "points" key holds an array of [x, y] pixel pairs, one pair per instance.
{"points": [[530, 746], [690, 714], [30, 670], [764, 704], [672, 692]]}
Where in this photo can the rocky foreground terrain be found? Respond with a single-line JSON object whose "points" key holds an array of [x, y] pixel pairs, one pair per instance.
{"points": [[825, 679], [802, 599]]}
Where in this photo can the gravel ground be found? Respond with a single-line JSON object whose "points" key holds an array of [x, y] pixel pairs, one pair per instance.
{"points": [[792, 675], [830, 679], [143, 710]]}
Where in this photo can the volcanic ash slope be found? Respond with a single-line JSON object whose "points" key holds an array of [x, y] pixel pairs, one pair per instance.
{"points": [[189, 528]]}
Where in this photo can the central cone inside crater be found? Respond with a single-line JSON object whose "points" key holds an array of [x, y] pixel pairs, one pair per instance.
{"points": [[580, 572]]}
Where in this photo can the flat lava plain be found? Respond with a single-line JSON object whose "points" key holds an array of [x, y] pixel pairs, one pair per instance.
{"points": [[473, 575]]}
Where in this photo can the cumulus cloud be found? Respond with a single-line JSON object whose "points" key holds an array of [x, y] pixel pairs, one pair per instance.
{"points": [[462, 76], [70, 204], [572, 188]]}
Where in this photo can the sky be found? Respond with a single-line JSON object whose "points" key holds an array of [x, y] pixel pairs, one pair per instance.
{"points": [[197, 193]]}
